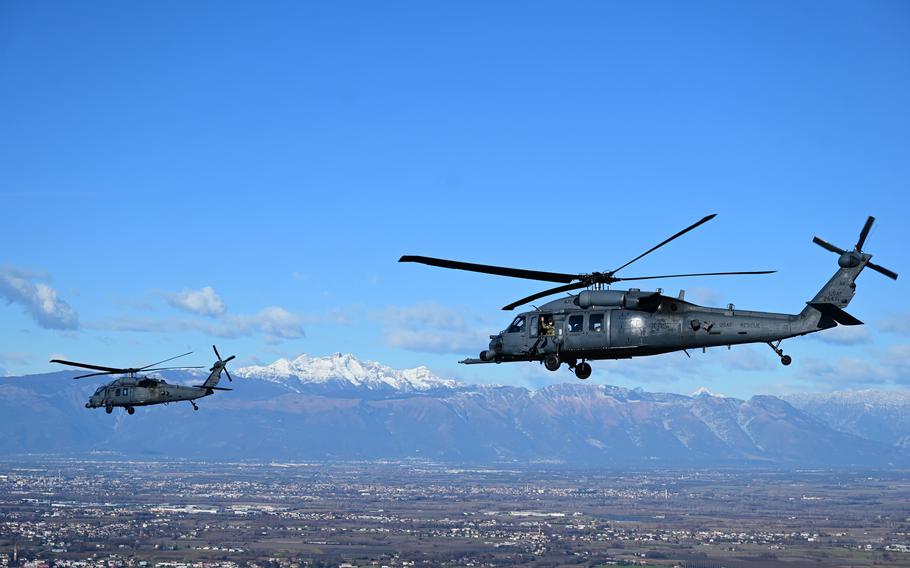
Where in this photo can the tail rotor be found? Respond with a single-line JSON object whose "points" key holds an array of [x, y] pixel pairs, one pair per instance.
{"points": [[852, 258], [222, 363]]}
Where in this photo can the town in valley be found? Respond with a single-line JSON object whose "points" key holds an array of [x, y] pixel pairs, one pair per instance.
{"points": [[172, 513]]}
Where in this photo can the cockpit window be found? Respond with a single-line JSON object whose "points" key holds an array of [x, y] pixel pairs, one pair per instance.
{"points": [[518, 325], [99, 391]]}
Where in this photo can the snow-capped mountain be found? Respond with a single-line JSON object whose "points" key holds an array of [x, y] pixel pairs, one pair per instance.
{"points": [[703, 391], [345, 370], [881, 415]]}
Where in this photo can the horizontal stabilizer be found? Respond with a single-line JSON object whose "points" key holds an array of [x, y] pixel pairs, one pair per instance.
{"points": [[835, 314], [212, 388]]}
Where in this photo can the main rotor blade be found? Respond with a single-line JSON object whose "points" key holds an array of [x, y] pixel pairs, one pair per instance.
{"points": [[679, 234], [556, 290], [87, 366], [864, 233], [165, 361], [826, 245], [169, 368], [890, 274], [698, 274], [94, 375], [489, 269]]}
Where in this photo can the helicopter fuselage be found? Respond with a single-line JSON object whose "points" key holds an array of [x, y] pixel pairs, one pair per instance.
{"points": [[659, 324], [128, 392]]}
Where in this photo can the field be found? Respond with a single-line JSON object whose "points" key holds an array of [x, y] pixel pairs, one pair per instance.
{"points": [[420, 513]]}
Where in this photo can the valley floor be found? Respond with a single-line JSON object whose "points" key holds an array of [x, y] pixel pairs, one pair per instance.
{"points": [[76, 512]]}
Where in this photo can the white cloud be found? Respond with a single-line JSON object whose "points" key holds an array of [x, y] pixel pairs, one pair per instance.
{"points": [[704, 296], [844, 335], [203, 302], [897, 323], [434, 341], [38, 299], [850, 371], [666, 368], [746, 358], [214, 319], [272, 321], [434, 328], [15, 357], [891, 365], [418, 316]]}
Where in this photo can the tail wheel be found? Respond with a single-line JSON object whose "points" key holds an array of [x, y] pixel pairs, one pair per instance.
{"points": [[786, 360], [551, 362], [583, 370]]}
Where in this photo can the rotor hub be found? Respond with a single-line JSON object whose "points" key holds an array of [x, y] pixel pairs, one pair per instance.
{"points": [[849, 259]]}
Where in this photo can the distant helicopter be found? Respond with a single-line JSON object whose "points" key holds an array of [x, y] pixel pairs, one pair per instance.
{"points": [[138, 390], [619, 324]]}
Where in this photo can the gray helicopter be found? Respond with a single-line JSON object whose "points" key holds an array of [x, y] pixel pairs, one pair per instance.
{"points": [[600, 323], [135, 389]]}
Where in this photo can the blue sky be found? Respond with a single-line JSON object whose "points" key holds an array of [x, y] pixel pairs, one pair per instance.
{"points": [[176, 174]]}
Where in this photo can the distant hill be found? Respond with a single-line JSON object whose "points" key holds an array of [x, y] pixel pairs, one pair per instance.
{"points": [[881, 415], [341, 408]]}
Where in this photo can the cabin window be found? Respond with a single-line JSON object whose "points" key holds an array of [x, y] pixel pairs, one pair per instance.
{"points": [[518, 325], [576, 323], [116, 392], [596, 322]]}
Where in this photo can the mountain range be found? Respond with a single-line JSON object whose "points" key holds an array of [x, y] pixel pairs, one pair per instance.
{"points": [[878, 415], [339, 407]]}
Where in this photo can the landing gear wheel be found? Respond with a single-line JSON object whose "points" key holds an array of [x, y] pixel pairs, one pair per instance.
{"points": [[784, 359], [551, 362], [194, 405], [583, 370], [108, 409], [130, 410]]}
